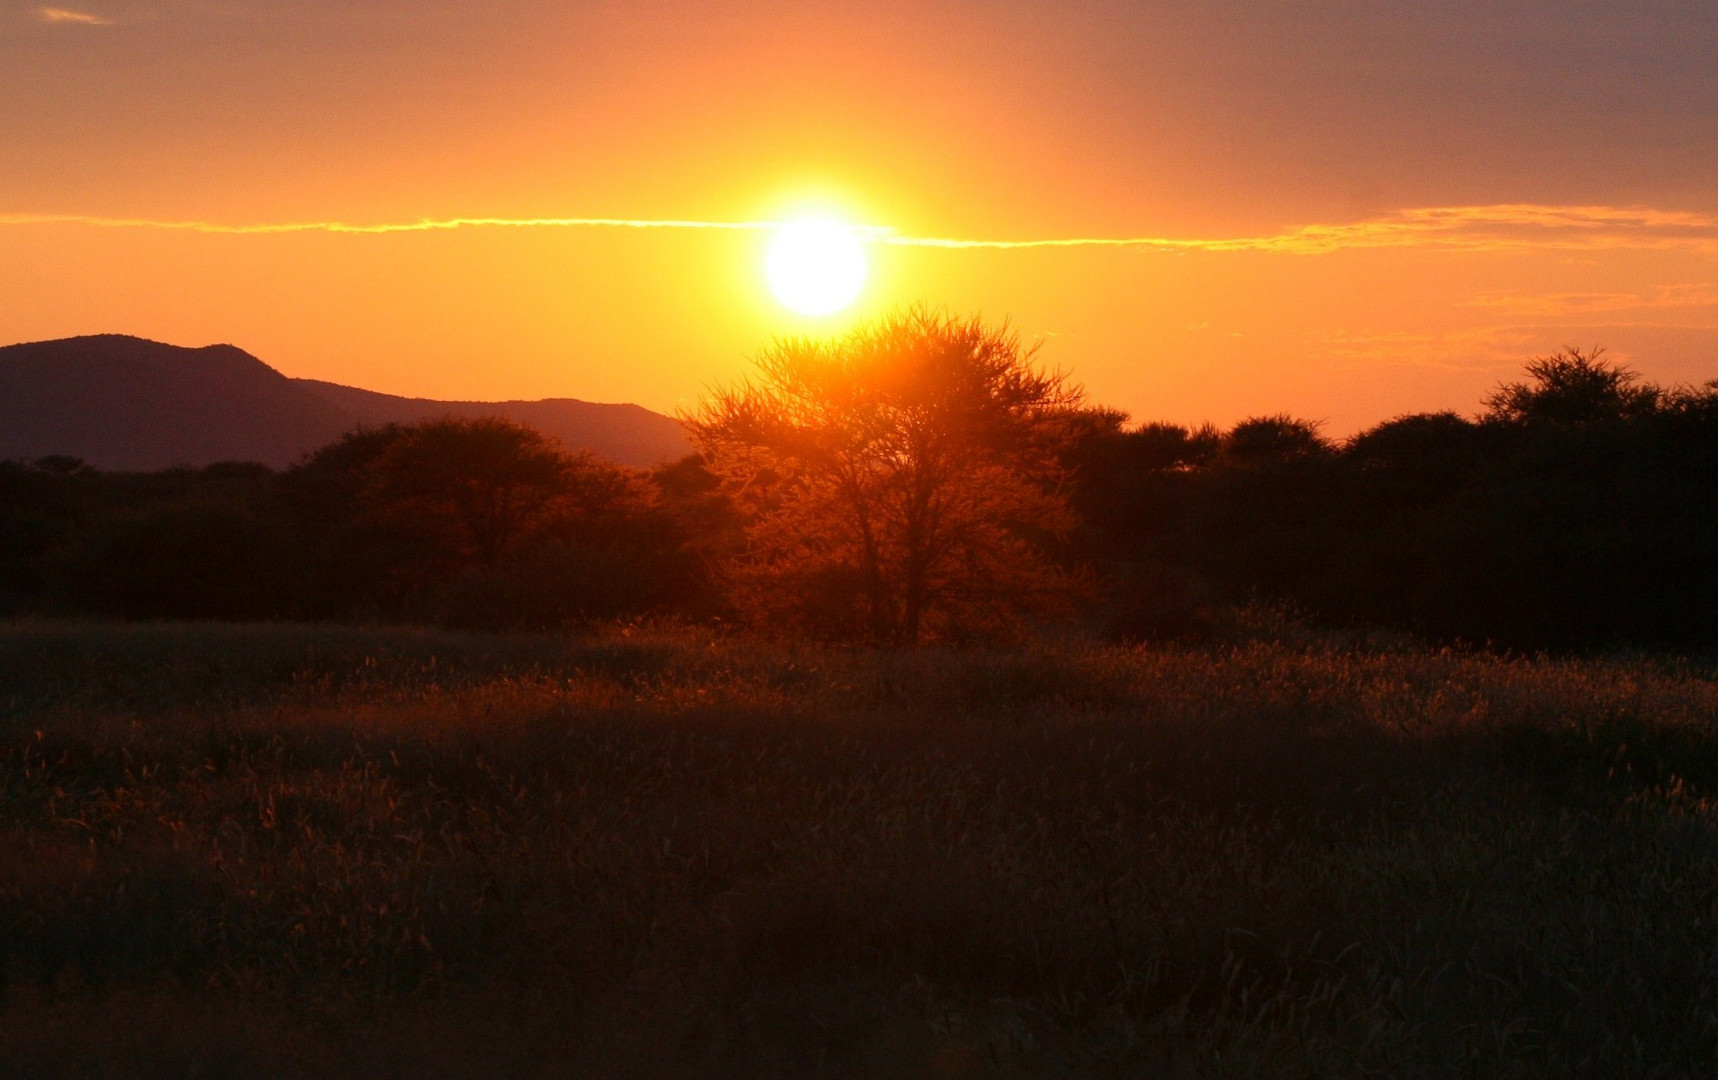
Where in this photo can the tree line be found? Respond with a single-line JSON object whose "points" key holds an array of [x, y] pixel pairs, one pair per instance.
{"points": [[923, 478]]}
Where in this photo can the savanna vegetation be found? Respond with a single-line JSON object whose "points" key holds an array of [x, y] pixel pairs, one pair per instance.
{"points": [[291, 850], [922, 479], [895, 484], [930, 721], [1578, 511]]}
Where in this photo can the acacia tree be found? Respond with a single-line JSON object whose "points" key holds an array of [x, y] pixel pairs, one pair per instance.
{"points": [[898, 481], [1575, 387], [484, 482], [402, 512]]}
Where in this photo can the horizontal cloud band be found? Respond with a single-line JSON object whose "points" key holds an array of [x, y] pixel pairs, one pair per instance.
{"points": [[1499, 227]]}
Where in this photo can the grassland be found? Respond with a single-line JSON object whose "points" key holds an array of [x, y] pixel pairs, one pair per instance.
{"points": [[268, 851]]}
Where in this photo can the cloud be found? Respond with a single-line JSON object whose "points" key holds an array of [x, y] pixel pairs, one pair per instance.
{"points": [[1538, 323], [1685, 297], [1477, 348], [426, 225], [1502, 227], [1495, 228], [76, 18]]}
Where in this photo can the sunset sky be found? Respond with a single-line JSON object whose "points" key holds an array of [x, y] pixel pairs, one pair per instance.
{"points": [[1346, 209]]}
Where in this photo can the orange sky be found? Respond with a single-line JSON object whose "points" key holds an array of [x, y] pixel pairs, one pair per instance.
{"points": [[1373, 207]]}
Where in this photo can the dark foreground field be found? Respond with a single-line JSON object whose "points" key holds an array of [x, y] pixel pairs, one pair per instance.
{"points": [[279, 851]]}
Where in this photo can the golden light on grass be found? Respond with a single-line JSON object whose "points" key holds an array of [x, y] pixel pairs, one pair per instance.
{"points": [[815, 265]]}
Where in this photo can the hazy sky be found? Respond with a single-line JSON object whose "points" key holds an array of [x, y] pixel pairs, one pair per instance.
{"points": [[1376, 207]]}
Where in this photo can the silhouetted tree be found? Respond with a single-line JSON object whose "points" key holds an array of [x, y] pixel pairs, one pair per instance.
{"points": [[1420, 455], [483, 522], [482, 483], [209, 543], [1261, 440], [197, 558], [1699, 402], [897, 480], [41, 509], [1574, 387]]}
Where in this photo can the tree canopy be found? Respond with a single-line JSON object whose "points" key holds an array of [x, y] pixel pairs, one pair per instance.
{"points": [[1574, 387], [898, 481]]}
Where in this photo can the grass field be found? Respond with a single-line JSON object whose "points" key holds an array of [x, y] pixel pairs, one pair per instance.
{"points": [[256, 851]]}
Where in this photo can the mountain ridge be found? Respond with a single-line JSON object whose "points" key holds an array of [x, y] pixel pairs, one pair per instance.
{"points": [[127, 403], [631, 433]]}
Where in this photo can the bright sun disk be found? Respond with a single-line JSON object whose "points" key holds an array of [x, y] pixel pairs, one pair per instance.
{"points": [[815, 266]]}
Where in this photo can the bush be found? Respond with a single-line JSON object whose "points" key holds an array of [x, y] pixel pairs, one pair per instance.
{"points": [[185, 560]]}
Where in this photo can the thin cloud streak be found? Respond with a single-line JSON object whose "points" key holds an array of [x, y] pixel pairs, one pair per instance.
{"points": [[1692, 296], [1497, 228], [77, 18], [438, 225], [1504, 227]]}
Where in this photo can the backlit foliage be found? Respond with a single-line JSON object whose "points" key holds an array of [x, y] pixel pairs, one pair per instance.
{"points": [[898, 480], [1574, 387]]}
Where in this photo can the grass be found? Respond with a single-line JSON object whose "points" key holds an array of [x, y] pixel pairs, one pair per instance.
{"points": [[283, 851]]}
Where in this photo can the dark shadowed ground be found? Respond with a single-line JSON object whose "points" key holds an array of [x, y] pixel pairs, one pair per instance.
{"points": [[345, 852]]}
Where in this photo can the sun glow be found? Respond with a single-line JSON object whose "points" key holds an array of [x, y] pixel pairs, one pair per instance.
{"points": [[815, 266]]}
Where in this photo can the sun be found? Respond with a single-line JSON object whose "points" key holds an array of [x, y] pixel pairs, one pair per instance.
{"points": [[815, 266]]}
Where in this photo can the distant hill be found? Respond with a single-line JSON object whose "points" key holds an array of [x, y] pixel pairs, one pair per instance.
{"points": [[629, 434], [126, 403]]}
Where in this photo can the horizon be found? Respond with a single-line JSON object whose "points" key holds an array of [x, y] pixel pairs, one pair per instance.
{"points": [[1346, 214], [1476, 414], [297, 378], [887, 538]]}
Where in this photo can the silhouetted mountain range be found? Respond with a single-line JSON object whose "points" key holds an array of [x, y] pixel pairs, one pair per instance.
{"points": [[122, 402], [628, 434]]}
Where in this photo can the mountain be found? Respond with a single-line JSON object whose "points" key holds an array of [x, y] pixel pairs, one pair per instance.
{"points": [[127, 403], [628, 434]]}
